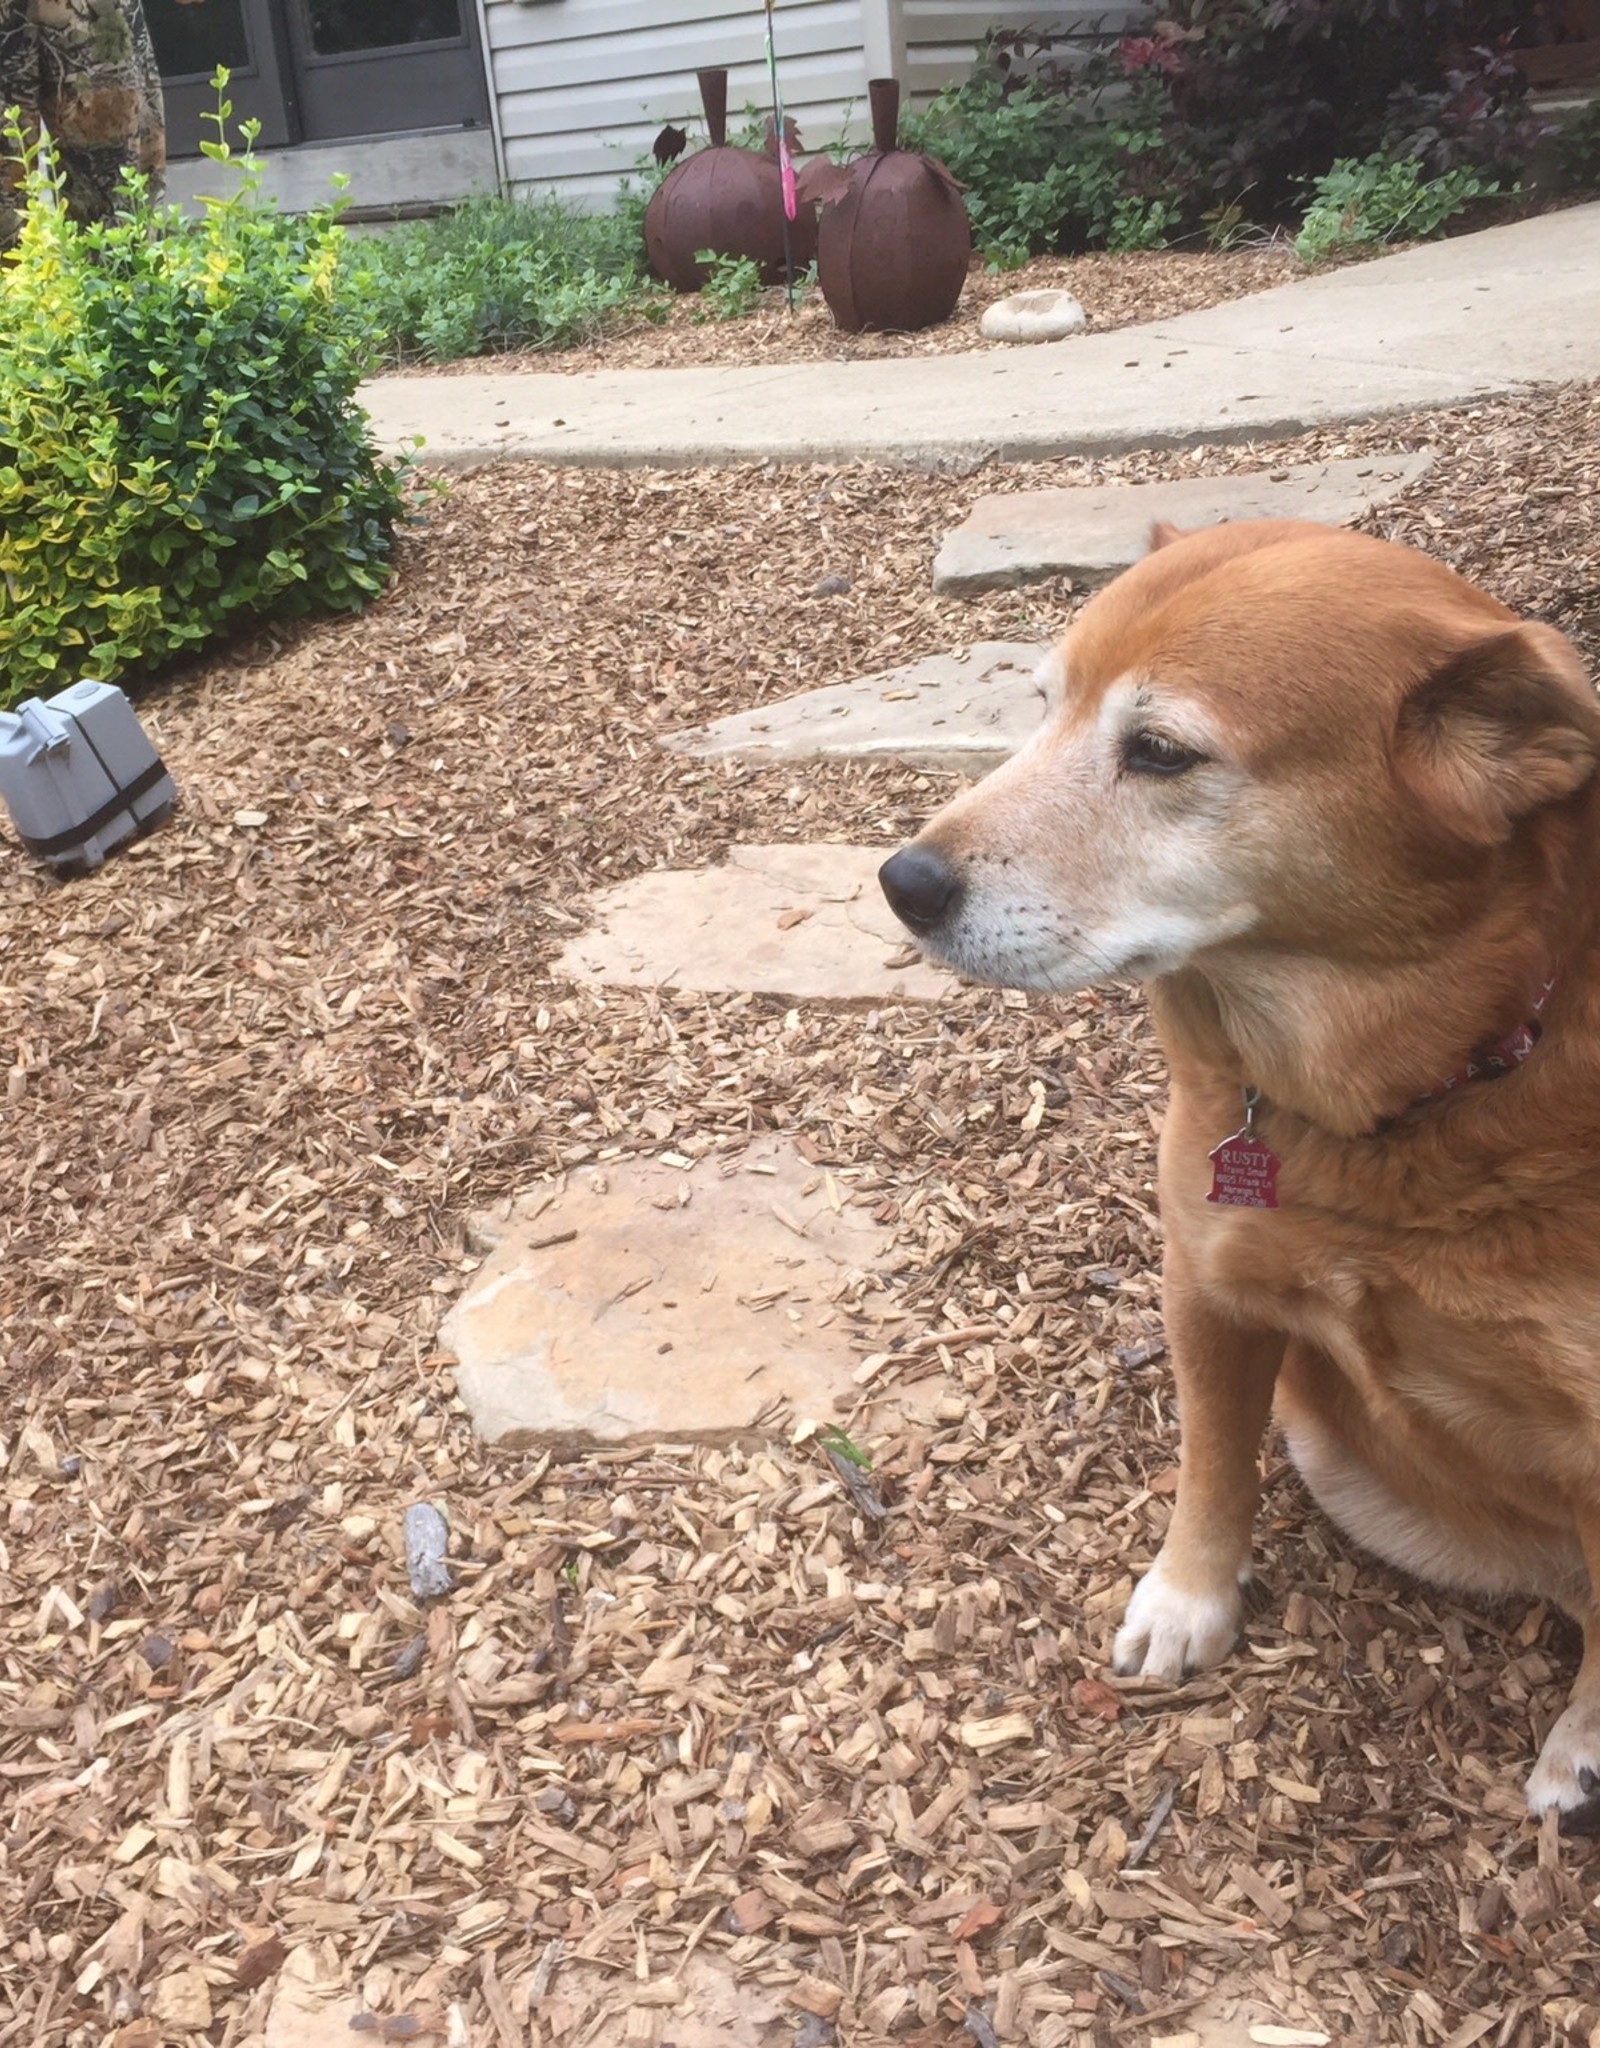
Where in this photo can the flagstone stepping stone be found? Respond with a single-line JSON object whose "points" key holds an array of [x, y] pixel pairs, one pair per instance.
{"points": [[1093, 532], [970, 710], [798, 921], [668, 1299], [1033, 316]]}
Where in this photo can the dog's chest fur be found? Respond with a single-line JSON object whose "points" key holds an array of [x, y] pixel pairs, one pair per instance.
{"points": [[1444, 1338]]}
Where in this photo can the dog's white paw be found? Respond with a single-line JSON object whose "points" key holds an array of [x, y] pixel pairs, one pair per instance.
{"points": [[1567, 1775], [1169, 1631]]}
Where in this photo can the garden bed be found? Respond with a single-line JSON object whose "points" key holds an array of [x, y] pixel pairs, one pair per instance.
{"points": [[1115, 291], [691, 1754]]}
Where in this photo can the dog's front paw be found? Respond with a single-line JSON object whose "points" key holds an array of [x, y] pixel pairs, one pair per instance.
{"points": [[1169, 1631], [1567, 1775]]}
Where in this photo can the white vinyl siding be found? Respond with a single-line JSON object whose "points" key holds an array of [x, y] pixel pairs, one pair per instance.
{"points": [[940, 36], [583, 87]]}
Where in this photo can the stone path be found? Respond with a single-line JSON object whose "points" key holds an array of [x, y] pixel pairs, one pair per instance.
{"points": [[968, 711], [808, 922], [1091, 534], [670, 1299]]}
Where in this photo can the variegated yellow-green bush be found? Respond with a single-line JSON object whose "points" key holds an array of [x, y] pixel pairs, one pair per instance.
{"points": [[180, 445]]}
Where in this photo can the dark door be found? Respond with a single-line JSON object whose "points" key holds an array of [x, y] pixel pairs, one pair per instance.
{"points": [[369, 67], [192, 37], [317, 70]]}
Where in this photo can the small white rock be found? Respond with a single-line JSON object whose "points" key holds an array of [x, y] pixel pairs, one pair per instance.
{"points": [[1033, 316]]}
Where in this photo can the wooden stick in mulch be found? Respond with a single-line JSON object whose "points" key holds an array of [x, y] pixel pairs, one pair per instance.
{"points": [[1158, 1819], [852, 1469]]}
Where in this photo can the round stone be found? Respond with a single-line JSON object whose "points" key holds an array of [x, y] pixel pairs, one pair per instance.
{"points": [[1033, 316]]}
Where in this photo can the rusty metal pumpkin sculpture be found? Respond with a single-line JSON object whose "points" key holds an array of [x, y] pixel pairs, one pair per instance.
{"points": [[722, 198], [819, 183], [893, 252]]}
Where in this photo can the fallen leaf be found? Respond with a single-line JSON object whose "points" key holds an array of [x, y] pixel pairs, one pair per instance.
{"points": [[1089, 1696], [984, 1914], [261, 1960]]}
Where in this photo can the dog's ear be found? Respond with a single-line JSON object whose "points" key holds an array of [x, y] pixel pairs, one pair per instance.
{"points": [[1163, 533], [1504, 726]]}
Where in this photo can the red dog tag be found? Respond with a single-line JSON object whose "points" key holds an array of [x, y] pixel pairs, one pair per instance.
{"points": [[1244, 1174]]}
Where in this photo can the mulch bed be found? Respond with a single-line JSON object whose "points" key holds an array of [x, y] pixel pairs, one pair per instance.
{"points": [[690, 1715], [1114, 291]]}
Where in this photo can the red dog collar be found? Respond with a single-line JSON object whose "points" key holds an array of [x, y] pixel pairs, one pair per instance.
{"points": [[1244, 1168], [1496, 1056]]}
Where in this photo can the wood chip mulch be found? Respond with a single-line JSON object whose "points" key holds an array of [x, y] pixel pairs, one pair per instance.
{"points": [[1114, 291], [692, 1734]]}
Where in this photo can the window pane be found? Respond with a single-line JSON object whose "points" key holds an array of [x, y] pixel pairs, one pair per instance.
{"points": [[197, 35], [338, 26]]}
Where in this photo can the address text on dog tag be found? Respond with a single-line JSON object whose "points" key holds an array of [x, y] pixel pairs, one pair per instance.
{"points": [[1244, 1174]]}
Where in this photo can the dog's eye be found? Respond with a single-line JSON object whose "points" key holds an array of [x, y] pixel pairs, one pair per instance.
{"points": [[1152, 753]]}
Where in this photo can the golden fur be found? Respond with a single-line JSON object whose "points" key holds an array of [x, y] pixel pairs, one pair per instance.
{"points": [[1390, 840]]}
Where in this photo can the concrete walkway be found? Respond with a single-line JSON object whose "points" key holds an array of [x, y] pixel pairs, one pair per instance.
{"points": [[1488, 313]]}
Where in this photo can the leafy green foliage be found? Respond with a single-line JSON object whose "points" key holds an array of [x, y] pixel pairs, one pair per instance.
{"points": [[1577, 149], [1210, 117], [1262, 94], [1384, 200], [179, 441], [732, 287], [833, 1438], [1047, 164], [499, 274]]}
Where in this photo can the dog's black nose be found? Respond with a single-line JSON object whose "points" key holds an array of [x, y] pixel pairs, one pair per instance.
{"points": [[921, 886]]}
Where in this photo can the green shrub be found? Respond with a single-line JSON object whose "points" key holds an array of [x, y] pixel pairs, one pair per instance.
{"points": [[1210, 116], [1256, 96], [1384, 200], [499, 274], [179, 442], [1577, 149], [1047, 166]]}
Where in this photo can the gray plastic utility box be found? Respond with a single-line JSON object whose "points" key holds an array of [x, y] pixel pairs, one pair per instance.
{"points": [[79, 776]]}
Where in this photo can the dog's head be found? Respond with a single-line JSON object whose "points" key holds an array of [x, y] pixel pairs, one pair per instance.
{"points": [[1269, 733]]}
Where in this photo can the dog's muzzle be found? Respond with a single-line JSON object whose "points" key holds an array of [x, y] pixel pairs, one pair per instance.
{"points": [[922, 887]]}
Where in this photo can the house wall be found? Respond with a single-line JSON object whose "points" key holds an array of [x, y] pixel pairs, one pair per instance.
{"points": [[584, 86], [939, 36]]}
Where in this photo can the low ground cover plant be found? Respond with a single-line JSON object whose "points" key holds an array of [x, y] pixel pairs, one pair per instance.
{"points": [[180, 445], [1381, 200], [732, 288], [497, 274]]}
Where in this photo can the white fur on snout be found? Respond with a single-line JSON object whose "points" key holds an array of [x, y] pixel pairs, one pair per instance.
{"points": [[1169, 1632], [1008, 932], [1571, 1755], [1075, 871]]}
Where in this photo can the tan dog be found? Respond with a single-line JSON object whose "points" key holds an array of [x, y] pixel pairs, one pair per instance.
{"points": [[1341, 811]]}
